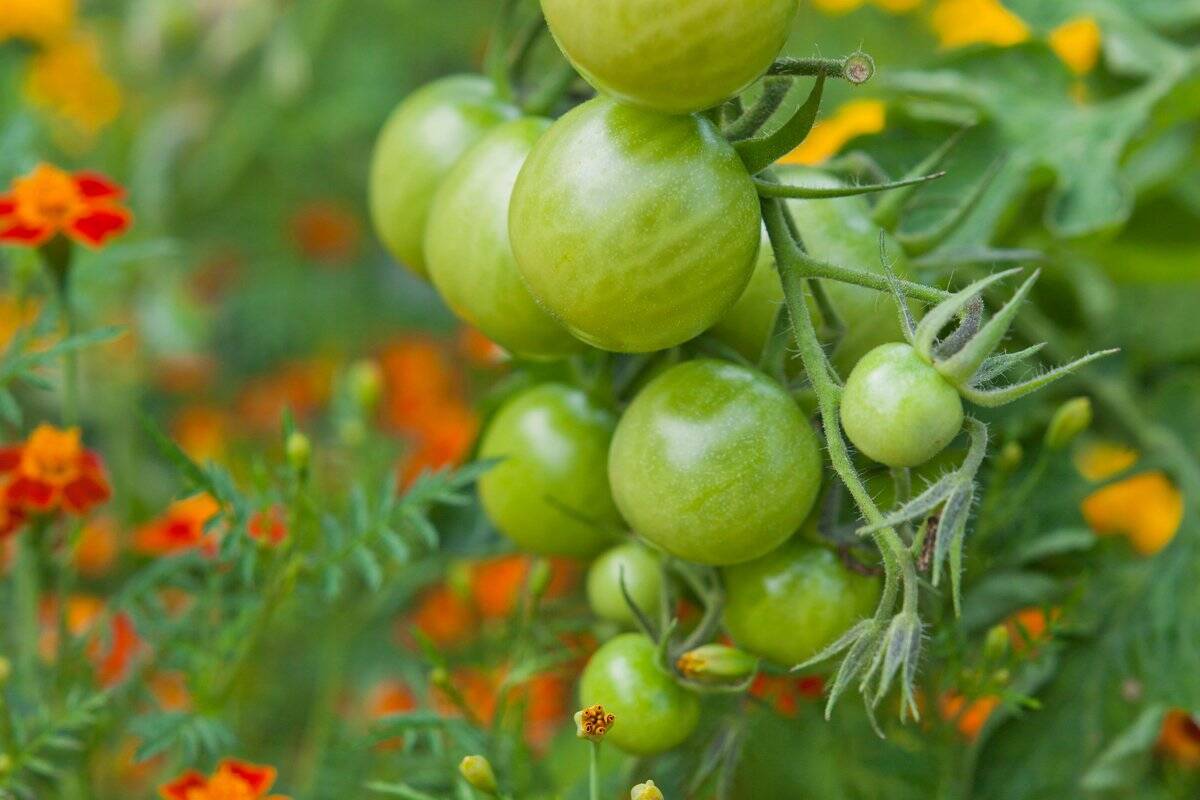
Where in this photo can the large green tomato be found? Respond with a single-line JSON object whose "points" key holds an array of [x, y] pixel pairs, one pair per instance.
{"points": [[791, 603], [421, 140], [715, 463], [653, 713], [839, 231], [636, 230], [550, 493], [642, 573], [897, 409], [670, 55], [467, 249]]}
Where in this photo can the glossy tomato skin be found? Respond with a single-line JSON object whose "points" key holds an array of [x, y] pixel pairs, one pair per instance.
{"points": [[643, 579], [636, 230], [552, 480], [897, 409], [791, 603], [653, 712], [421, 140], [839, 231], [674, 56], [468, 253], [714, 463]]}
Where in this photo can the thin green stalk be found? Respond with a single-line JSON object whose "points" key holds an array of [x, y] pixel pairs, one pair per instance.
{"points": [[594, 772], [793, 271]]}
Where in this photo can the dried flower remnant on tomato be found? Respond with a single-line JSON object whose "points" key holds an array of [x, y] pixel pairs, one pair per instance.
{"points": [[52, 470], [84, 206], [592, 723]]}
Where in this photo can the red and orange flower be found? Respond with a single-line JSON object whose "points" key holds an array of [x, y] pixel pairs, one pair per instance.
{"points": [[84, 206], [53, 470], [233, 780], [184, 526]]}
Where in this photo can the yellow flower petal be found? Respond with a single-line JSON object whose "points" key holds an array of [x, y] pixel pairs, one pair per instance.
{"points": [[68, 80], [1099, 460], [1078, 44], [854, 119], [39, 21], [959, 23]]}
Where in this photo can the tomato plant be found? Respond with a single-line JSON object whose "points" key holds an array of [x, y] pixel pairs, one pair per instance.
{"points": [[793, 602], [674, 56], [625, 677], [423, 138], [714, 463], [467, 248], [637, 230], [549, 493]]}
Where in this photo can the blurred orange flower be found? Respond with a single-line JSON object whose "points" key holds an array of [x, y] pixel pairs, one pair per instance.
{"points": [[784, 693], [1030, 626], [830, 135], [111, 654], [37, 21], [301, 386], [52, 470], [182, 527], [959, 23], [268, 526], [233, 780], [170, 690], [84, 206], [497, 583], [1077, 42], [969, 716], [326, 231], [1146, 508], [97, 547], [68, 80], [201, 431], [443, 440], [185, 373], [387, 697], [444, 616], [1179, 738], [418, 380]]}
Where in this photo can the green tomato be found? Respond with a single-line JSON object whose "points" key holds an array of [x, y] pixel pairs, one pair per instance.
{"points": [[643, 580], [790, 604], [653, 713], [550, 493], [422, 139], [467, 250], [675, 56], [636, 230], [715, 463], [839, 231], [897, 409]]}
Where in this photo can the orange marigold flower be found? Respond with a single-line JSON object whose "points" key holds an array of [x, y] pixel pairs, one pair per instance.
{"points": [[326, 231], [477, 689], [969, 716], [1029, 626], [784, 693], [233, 780], [184, 526], [1146, 508], [268, 526], [170, 690], [496, 583], [68, 80], [419, 380], [111, 654], [444, 616], [301, 386], [443, 441], [1179, 738], [84, 206], [387, 697], [201, 431], [52, 470], [97, 547]]}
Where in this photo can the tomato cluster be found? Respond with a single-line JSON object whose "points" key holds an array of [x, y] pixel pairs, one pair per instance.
{"points": [[632, 224]]}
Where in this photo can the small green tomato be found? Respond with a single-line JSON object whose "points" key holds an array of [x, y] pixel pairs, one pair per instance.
{"points": [[897, 409], [643, 580]]}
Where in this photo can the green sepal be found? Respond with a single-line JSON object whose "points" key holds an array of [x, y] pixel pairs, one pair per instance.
{"points": [[940, 315], [959, 367], [763, 151]]}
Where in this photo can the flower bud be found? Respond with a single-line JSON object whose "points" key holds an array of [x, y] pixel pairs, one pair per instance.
{"points": [[995, 646], [299, 451], [1010, 457], [646, 791], [5, 764], [365, 383], [440, 678], [5, 670], [540, 575], [1071, 419], [478, 772], [592, 723], [717, 664]]}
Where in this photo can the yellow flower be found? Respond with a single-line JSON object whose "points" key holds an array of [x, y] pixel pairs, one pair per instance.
{"points": [[39, 21], [856, 118], [68, 80], [1099, 460], [16, 313], [1147, 509], [1077, 43], [959, 23], [898, 6], [846, 6]]}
